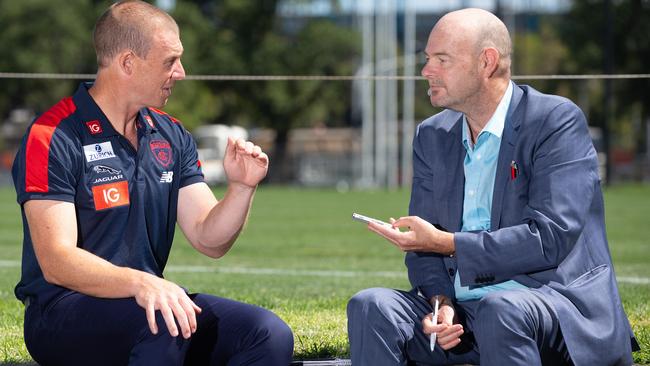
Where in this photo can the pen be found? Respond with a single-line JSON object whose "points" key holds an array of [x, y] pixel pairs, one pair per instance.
{"points": [[434, 318]]}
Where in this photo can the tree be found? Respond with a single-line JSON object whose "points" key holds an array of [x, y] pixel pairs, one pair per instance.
{"points": [[289, 103], [244, 38], [194, 102], [583, 33], [227, 37], [43, 36]]}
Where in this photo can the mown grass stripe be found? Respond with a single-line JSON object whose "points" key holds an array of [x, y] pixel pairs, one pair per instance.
{"points": [[302, 273]]}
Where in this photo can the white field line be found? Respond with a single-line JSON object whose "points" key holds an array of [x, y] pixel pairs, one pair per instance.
{"points": [[284, 272], [259, 271], [301, 273]]}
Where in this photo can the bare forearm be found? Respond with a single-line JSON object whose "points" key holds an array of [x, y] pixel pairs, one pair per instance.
{"points": [[222, 226], [53, 231], [84, 272]]}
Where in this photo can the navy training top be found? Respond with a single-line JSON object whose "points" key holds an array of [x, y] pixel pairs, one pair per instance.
{"points": [[125, 200]]}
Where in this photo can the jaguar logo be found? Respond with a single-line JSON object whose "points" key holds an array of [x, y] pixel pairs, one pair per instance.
{"points": [[105, 169]]}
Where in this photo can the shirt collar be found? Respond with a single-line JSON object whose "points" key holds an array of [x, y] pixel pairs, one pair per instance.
{"points": [[497, 122], [92, 116], [145, 122]]}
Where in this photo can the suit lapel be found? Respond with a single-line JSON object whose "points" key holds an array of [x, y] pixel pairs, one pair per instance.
{"points": [[509, 138], [455, 177]]}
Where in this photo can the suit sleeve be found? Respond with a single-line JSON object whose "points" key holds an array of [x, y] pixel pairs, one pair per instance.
{"points": [[426, 271], [563, 177]]}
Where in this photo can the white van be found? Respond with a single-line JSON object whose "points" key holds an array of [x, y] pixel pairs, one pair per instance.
{"points": [[211, 141]]}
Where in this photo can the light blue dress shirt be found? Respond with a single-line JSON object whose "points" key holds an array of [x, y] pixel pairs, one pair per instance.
{"points": [[480, 170]]}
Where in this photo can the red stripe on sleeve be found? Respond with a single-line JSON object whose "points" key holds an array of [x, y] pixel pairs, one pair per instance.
{"points": [[162, 113], [37, 151]]}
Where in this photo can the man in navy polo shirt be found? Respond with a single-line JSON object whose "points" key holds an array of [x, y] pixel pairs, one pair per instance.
{"points": [[102, 179]]}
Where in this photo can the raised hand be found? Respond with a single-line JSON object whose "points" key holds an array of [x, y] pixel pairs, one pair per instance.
{"points": [[245, 163]]}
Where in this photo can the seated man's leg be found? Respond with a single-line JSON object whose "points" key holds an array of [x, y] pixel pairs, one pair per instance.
{"points": [[84, 330], [235, 333], [385, 328], [519, 327]]}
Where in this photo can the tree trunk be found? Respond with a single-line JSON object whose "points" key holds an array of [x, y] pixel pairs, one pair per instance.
{"points": [[280, 168]]}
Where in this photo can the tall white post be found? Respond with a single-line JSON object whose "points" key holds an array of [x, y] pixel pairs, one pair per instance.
{"points": [[392, 138], [408, 123], [367, 119]]}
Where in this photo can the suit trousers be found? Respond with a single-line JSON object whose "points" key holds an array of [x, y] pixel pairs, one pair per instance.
{"points": [[510, 327], [83, 330]]}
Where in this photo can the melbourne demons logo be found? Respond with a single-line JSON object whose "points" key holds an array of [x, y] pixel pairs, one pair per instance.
{"points": [[94, 127], [162, 151]]}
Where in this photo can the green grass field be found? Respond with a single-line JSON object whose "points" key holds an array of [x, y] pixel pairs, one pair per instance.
{"points": [[303, 257]]}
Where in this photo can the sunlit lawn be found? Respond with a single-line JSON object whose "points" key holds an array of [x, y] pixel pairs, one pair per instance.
{"points": [[303, 257]]}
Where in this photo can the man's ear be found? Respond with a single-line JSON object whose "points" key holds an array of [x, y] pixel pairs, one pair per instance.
{"points": [[126, 62], [489, 61]]}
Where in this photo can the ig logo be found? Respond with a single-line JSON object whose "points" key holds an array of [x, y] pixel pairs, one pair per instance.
{"points": [[111, 195], [94, 127]]}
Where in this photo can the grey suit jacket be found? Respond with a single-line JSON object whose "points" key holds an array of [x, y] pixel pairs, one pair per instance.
{"points": [[547, 223]]}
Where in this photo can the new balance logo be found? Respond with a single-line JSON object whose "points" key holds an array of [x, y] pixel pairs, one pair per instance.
{"points": [[166, 177]]}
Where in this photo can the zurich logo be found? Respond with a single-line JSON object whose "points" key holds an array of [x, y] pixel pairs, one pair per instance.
{"points": [[101, 151]]}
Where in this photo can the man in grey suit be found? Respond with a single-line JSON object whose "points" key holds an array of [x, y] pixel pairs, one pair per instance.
{"points": [[507, 226]]}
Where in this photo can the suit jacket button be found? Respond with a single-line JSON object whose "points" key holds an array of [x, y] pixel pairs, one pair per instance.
{"points": [[451, 272]]}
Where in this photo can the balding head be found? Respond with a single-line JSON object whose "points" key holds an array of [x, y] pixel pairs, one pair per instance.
{"points": [[480, 29], [128, 25], [468, 63]]}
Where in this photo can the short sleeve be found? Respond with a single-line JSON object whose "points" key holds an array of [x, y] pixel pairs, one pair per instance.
{"points": [[46, 165], [190, 165]]}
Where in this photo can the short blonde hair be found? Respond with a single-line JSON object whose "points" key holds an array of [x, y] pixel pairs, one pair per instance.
{"points": [[127, 25]]}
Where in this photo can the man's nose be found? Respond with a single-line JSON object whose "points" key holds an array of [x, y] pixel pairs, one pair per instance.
{"points": [[426, 70], [178, 73]]}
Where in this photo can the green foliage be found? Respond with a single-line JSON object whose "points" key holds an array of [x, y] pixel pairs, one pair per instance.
{"points": [[295, 233], [583, 32], [43, 36], [242, 37], [287, 103], [234, 37], [541, 53], [194, 102]]}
